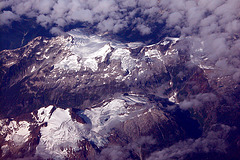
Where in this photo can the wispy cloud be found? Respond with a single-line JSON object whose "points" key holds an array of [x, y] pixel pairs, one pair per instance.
{"points": [[214, 141]]}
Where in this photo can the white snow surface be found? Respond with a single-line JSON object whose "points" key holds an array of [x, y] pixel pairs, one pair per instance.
{"points": [[64, 132], [109, 115], [17, 132], [173, 98], [123, 54], [86, 51], [104, 118], [43, 114], [154, 54], [61, 131], [89, 50], [33, 69]]}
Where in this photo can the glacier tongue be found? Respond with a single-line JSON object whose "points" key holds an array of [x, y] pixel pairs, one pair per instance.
{"points": [[17, 132]]}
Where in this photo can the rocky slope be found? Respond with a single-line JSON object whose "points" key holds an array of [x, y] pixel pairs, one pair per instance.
{"points": [[83, 96]]}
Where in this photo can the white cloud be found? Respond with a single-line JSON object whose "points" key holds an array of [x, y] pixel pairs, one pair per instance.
{"points": [[110, 15], [174, 18], [197, 101], [6, 17], [143, 29]]}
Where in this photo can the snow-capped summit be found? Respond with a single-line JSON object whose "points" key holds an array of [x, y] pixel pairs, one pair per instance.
{"points": [[82, 96]]}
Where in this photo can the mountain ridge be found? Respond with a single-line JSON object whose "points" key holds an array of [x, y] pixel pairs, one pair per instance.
{"points": [[159, 97]]}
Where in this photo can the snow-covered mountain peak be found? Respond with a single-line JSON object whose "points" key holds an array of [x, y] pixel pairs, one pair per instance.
{"points": [[59, 130], [80, 94], [87, 51]]}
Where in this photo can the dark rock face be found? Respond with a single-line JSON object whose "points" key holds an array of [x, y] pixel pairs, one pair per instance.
{"points": [[127, 99]]}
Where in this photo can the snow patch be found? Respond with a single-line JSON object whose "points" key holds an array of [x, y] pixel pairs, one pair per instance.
{"points": [[69, 63], [123, 54], [86, 51], [109, 115], [171, 52], [135, 44], [33, 69], [61, 132], [154, 54], [91, 63], [4, 149], [16, 132], [173, 98], [44, 114], [164, 43], [104, 118], [45, 57], [174, 40], [205, 66], [9, 64]]}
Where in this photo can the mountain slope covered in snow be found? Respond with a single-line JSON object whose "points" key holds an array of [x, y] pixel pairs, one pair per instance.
{"points": [[84, 96]]}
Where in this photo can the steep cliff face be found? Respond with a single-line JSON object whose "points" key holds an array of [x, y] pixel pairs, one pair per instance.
{"points": [[84, 96]]}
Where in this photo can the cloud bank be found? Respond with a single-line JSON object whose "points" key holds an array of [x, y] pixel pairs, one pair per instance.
{"points": [[189, 17], [107, 15]]}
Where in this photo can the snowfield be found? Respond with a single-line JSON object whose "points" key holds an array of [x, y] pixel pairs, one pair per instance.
{"points": [[62, 132]]}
